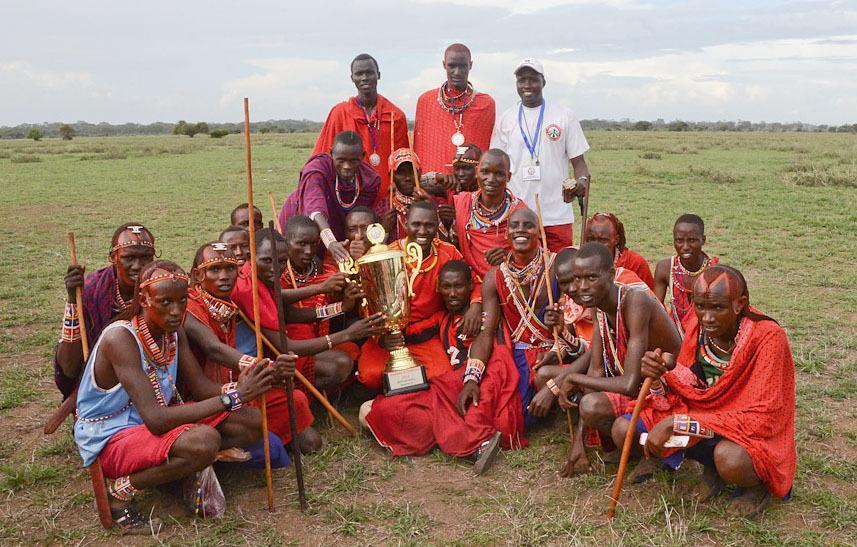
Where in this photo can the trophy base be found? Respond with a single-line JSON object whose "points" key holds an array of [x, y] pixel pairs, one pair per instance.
{"points": [[405, 381]]}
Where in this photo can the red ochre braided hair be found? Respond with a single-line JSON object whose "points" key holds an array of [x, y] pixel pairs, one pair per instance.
{"points": [[149, 271]]}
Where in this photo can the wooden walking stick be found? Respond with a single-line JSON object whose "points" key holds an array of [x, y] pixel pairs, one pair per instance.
{"points": [[626, 447], [551, 302], [584, 210], [276, 215], [290, 381], [99, 490], [70, 403], [392, 149], [254, 283], [302, 379]]}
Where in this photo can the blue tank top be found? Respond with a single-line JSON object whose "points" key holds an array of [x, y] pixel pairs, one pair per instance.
{"points": [[101, 413]]}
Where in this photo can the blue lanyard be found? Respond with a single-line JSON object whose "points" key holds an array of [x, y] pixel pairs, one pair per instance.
{"points": [[531, 145]]}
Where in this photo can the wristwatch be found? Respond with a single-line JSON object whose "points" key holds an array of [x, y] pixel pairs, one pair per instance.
{"points": [[226, 400]]}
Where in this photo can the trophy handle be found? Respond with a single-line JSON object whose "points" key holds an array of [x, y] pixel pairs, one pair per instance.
{"points": [[415, 253]]}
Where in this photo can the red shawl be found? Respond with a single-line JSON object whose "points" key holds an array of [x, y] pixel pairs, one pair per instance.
{"points": [[752, 404], [197, 307], [631, 260], [475, 242], [434, 127], [349, 116]]}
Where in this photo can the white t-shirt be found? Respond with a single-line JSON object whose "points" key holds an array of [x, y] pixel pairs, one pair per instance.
{"points": [[560, 139]]}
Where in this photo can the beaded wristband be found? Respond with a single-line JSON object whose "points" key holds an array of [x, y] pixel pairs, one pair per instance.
{"points": [[474, 370], [122, 490], [231, 389], [553, 387], [658, 388], [328, 311], [685, 425], [327, 237], [70, 325], [246, 361]]}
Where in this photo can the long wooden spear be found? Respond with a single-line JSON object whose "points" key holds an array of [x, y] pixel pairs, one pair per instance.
{"points": [[302, 379], [290, 381], [551, 302], [392, 149], [254, 283], [276, 213], [626, 447], [95, 472], [584, 210]]}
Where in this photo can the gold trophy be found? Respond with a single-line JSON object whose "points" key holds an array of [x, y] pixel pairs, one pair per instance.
{"points": [[384, 278]]}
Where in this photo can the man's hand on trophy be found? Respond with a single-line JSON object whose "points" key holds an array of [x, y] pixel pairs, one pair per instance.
{"points": [[351, 297], [334, 285], [391, 341], [364, 328]]}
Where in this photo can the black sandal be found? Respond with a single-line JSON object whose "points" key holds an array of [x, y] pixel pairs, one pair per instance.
{"points": [[129, 519]]}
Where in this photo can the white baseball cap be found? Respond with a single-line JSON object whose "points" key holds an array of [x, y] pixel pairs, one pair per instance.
{"points": [[529, 62]]}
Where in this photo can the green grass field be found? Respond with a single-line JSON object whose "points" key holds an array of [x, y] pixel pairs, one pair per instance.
{"points": [[781, 207]]}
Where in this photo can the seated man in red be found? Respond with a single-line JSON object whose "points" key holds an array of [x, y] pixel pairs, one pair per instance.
{"points": [[238, 241], [405, 164], [318, 287], [731, 389], [606, 229], [414, 423], [240, 217], [481, 217], [210, 327], [331, 184], [322, 369], [515, 300], [674, 276], [420, 334], [106, 293], [130, 415], [629, 321]]}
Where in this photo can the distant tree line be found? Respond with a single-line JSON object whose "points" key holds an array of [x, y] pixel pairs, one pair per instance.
{"points": [[681, 125], [84, 129], [103, 129]]}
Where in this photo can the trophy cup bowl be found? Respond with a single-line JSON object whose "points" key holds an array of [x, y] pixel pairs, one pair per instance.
{"points": [[384, 278]]}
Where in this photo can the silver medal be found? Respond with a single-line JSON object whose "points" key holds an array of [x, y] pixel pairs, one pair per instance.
{"points": [[375, 159], [458, 138]]}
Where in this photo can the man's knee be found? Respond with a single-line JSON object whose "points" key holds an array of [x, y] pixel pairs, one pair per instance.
{"points": [[343, 365], [734, 464], [619, 430], [248, 423], [594, 407], [543, 374], [199, 445]]}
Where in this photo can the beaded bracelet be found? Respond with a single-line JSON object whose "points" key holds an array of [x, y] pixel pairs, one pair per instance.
{"points": [[553, 387], [231, 389], [474, 370], [658, 388], [122, 490], [246, 361], [685, 425], [327, 237], [328, 311], [70, 325]]}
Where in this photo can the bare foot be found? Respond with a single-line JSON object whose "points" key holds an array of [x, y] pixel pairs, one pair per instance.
{"points": [[577, 463], [751, 503], [712, 485], [645, 470], [611, 457]]}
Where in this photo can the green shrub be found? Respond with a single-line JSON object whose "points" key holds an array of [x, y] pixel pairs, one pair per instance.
{"points": [[218, 133]]}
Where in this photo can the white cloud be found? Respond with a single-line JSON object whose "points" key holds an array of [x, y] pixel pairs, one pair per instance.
{"points": [[520, 7]]}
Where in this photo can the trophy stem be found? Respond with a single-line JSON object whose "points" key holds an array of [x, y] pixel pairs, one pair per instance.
{"points": [[400, 357]]}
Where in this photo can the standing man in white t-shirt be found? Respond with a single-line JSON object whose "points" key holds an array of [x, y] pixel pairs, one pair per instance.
{"points": [[540, 138]]}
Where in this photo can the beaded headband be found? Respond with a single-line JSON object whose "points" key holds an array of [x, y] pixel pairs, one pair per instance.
{"points": [[171, 276], [137, 239], [219, 248], [465, 160]]}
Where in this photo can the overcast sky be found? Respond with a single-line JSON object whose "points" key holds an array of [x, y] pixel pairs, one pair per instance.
{"points": [[126, 61]]}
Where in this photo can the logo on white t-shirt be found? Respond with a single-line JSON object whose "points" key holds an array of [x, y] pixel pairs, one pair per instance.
{"points": [[553, 132]]}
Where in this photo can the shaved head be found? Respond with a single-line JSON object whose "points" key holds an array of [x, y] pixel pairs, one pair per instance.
{"points": [[497, 154], [457, 48], [525, 214], [721, 280]]}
